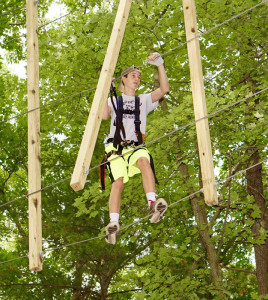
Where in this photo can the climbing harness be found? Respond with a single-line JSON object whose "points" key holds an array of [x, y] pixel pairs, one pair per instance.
{"points": [[117, 141], [120, 111]]}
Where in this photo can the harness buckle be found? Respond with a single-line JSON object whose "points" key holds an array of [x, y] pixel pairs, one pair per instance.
{"points": [[128, 143]]}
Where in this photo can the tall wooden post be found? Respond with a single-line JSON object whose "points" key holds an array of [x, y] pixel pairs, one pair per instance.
{"points": [[200, 108], [94, 120], [34, 162]]}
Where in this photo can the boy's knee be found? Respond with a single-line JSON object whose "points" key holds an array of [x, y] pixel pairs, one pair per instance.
{"points": [[118, 184], [143, 162]]}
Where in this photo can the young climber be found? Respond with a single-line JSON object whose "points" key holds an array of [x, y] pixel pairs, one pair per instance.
{"points": [[128, 123]]}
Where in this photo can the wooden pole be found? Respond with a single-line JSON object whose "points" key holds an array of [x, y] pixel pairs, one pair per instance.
{"points": [[94, 120], [199, 100], [34, 161]]}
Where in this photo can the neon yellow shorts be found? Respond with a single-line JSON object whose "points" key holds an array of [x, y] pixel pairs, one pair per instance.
{"points": [[125, 166]]}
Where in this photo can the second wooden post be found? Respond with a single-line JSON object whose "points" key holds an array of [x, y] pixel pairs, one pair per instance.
{"points": [[199, 100], [94, 120]]}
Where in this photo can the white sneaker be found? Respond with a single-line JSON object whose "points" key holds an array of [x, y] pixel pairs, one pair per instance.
{"points": [[112, 230], [157, 210]]}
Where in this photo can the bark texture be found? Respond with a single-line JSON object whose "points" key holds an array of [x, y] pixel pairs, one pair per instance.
{"points": [[255, 188]]}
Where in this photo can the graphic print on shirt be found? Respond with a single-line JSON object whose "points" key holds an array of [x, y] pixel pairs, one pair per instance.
{"points": [[129, 105]]}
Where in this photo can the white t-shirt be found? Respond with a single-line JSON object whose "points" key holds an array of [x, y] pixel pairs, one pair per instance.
{"points": [[146, 106]]}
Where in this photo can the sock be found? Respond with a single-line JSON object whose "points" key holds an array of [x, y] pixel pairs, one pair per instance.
{"points": [[151, 197], [114, 217]]}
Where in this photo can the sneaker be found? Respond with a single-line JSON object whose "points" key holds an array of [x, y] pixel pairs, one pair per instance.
{"points": [[157, 210], [112, 230]]}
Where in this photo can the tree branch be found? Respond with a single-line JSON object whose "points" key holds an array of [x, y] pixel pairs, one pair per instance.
{"points": [[122, 292], [43, 285], [227, 210], [237, 270]]}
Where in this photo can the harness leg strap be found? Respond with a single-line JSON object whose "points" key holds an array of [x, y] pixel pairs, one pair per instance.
{"points": [[151, 162], [152, 166], [102, 172]]}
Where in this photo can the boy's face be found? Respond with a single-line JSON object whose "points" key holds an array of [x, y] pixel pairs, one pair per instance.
{"points": [[132, 80]]}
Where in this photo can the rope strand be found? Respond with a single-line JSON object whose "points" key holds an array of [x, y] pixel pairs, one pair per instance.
{"points": [[63, 16], [7, 261], [48, 104], [11, 11], [55, 20], [215, 27]]}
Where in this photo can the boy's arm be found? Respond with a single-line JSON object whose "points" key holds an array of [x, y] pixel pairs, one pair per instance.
{"points": [[107, 111], [156, 59]]}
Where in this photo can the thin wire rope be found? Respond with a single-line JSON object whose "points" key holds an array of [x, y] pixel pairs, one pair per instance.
{"points": [[9, 41], [153, 141], [47, 104], [65, 98], [63, 16], [207, 116], [215, 27], [43, 25], [11, 11], [7, 261], [137, 221], [121, 229], [42, 189], [205, 32], [242, 171]]}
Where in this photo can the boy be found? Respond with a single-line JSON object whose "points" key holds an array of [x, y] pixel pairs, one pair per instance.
{"points": [[127, 131]]}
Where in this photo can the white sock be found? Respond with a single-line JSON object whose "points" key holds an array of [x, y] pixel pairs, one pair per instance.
{"points": [[151, 197], [114, 217]]}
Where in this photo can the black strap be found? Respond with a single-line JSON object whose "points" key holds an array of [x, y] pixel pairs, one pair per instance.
{"points": [[118, 120], [151, 162], [105, 164], [124, 144], [113, 91], [137, 121], [119, 123], [102, 172], [152, 166]]}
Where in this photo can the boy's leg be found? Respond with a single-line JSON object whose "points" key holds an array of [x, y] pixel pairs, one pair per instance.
{"points": [[112, 229], [118, 175], [147, 175], [115, 195], [157, 208]]}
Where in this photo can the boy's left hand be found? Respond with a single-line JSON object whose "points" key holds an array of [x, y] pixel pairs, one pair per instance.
{"points": [[155, 59]]}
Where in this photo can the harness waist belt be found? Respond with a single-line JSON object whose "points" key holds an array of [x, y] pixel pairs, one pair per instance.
{"points": [[124, 143]]}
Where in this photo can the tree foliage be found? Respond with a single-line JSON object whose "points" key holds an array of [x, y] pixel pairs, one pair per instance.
{"points": [[195, 252]]}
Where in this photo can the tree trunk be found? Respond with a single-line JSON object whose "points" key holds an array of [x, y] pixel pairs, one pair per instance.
{"points": [[105, 281], [255, 188], [201, 219], [78, 278]]}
